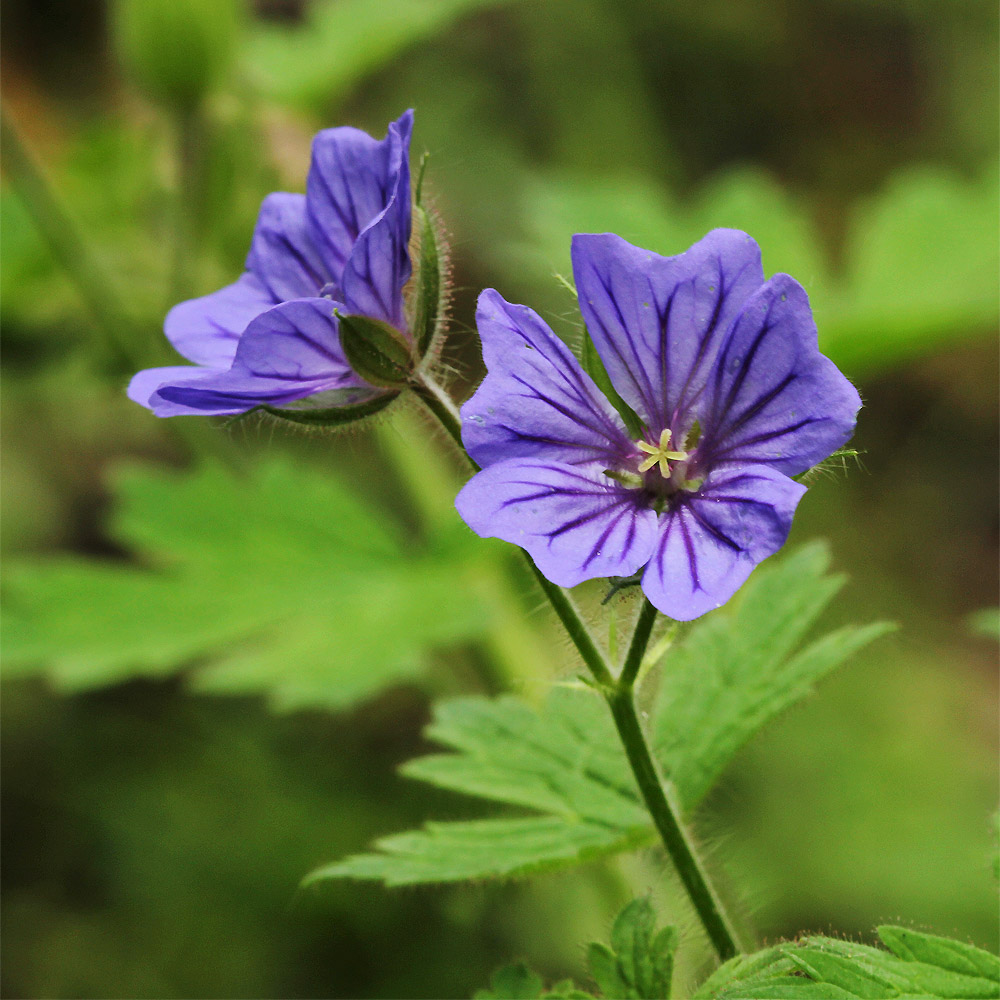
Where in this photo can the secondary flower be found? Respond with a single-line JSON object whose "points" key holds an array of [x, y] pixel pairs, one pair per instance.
{"points": [[732, 397], [272, 337]]}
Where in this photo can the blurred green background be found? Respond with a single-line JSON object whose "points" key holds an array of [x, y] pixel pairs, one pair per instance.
{"points": [[229, 713]]}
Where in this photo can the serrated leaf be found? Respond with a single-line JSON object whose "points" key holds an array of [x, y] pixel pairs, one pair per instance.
{"points": [[643, 956], [603, 967], [734, 671], [944, 952], [919, 965], [565, 762], [282, 582]]}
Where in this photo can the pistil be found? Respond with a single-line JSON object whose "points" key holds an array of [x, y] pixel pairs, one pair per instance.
{"points": [[660, 453]]}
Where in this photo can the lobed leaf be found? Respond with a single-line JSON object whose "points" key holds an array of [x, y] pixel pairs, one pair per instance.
{"points": [[282, 582], [915, 965], [565, 764], [735, 669]]}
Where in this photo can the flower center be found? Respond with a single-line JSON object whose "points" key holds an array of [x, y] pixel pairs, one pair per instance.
{"points": [[660, 454]]}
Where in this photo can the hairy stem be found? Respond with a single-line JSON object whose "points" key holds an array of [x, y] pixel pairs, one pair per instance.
{"points": [[659, 796], [619, 692]]}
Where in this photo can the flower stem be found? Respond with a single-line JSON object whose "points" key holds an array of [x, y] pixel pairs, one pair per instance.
{"points": [[620, 695], [660, 798]]}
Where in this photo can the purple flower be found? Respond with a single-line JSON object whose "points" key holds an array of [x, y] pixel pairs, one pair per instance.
{"points": [[272, 337], [723, 371]]}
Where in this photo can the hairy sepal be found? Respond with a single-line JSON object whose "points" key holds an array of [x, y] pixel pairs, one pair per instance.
{"points": [[376, 351]]}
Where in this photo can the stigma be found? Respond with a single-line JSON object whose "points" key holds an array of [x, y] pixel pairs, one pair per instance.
{"points": [[660, 454]]}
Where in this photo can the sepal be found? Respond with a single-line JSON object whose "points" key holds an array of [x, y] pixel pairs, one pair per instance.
{"points": [[333, 416], [428, 318], [377, 352]]}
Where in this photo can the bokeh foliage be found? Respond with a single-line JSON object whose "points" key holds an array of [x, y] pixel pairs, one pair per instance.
{"points": [[155, 837]]}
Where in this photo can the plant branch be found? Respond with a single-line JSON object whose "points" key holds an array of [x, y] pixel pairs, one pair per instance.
{"points": [[620, 695]]}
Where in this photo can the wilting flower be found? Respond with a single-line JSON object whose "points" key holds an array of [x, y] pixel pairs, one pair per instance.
{"points": [[731, 395], [272, 337]]}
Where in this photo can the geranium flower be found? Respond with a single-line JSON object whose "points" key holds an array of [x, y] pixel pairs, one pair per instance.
{"points": [[732, 397], [272, 337]]}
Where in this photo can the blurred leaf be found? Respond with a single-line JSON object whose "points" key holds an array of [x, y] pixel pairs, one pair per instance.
{"points": [[283, 583], [737, 668], [176, 49], [512, 982], [985, 622], [566, 764], [921, 255], [916, 965], [315, 63], [922, 259]]}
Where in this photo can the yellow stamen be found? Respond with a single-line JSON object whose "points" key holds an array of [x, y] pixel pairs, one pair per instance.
{"points": [[659, 454]]}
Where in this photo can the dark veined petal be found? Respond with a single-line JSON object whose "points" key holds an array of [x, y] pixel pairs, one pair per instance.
{"points": [[536, 401], [379, 263], [290, 352], [657, 322], [282, 254], [710, 541], [206, 330], [773, 397], [576, 524], [351, 179]]}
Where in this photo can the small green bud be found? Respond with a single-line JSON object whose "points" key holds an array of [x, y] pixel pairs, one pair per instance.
{"points": [[376, 351], [177, 49]]}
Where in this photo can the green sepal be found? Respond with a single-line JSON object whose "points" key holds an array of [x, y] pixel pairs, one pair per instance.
{"points": [[376, 351], [334, 416], [594, 367], [429, 281]]}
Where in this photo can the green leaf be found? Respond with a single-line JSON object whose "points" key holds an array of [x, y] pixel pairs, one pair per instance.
{"points": [[916, 965], [565, 764], [314, 64], [282, 582], [512, 982], [737, 668], [640, 963]]}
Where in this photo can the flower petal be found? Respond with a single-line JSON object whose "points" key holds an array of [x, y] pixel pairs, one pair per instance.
{"points": [[290, 352], [576, 524], [710, 541], [536, 401], [145, 383], [657, 322], [206, 330], [351, 179], [282, 254], [379, 263], [774, 398]]}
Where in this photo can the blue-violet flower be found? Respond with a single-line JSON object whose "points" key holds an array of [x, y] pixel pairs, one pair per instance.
{"points": [[723, 370], [272, 336]]}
